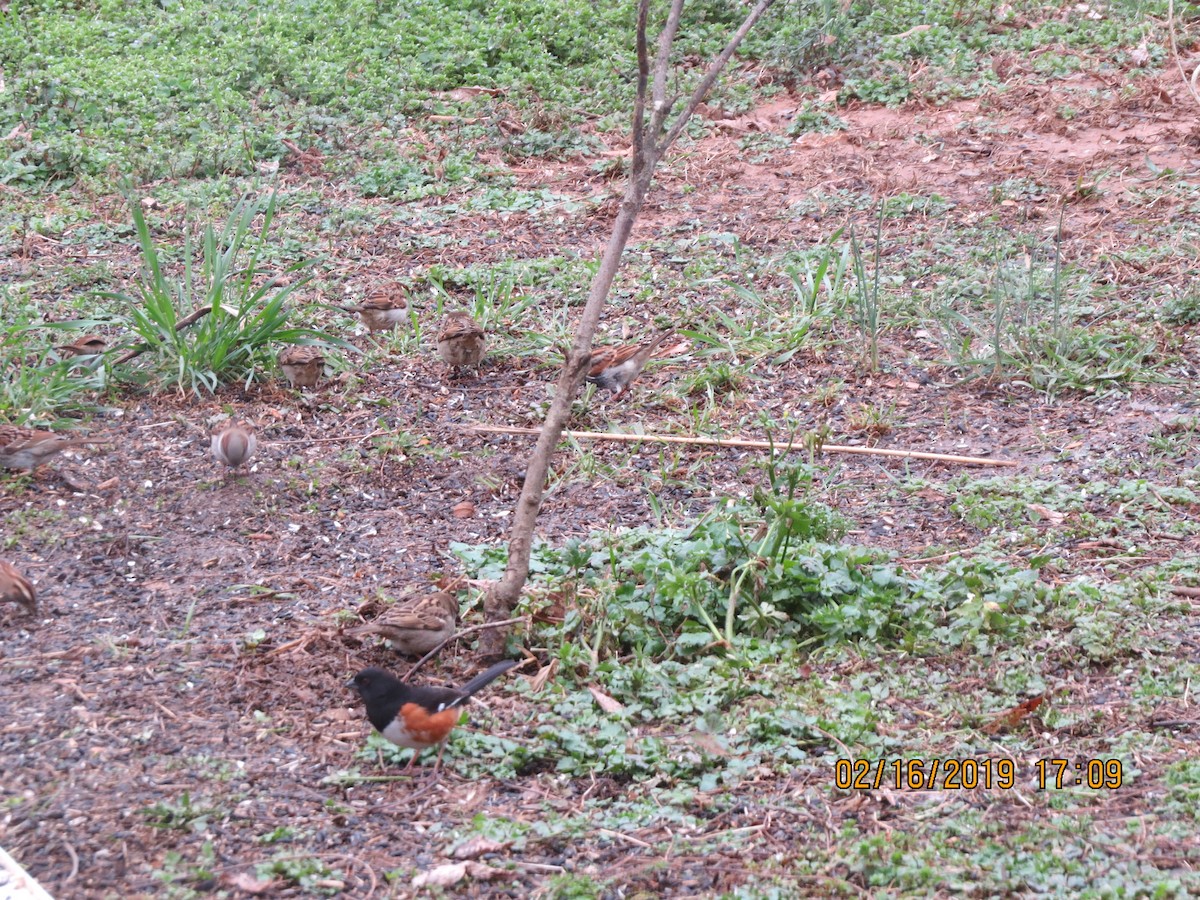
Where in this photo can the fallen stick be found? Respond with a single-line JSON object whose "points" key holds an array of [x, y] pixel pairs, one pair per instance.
{"points": [[454, 637], [183, 323], [746, 443]]}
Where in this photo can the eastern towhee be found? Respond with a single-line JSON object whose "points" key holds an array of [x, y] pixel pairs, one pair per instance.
{"points": [[418, 717]]}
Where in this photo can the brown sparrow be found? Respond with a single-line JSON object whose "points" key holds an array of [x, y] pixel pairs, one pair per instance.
{"points": [[88, 345], [616, 368], [383, 309], [16, 587], [27, 448], [462, 341], [234, 444], [416, 626], [302, 365]]}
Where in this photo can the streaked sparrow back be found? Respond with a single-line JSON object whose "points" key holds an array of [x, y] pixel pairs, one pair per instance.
{"points": [[616, 368], [302, 365], [16, 588], [28, 448], [462, 341], [416, 626], [383, 309]]}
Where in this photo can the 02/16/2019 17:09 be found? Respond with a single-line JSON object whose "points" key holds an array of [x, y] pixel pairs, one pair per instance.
{"points": [[971, 773]]}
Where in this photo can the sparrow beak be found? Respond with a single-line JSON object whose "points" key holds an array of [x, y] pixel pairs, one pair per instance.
{"points": [[350, 684]]}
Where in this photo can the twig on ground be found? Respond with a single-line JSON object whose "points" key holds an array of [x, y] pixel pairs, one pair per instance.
{"points": [[179, 326], [454, 637], [750, 444]]}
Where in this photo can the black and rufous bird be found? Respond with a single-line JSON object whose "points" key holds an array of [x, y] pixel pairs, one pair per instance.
{"points": [[418, 717]]}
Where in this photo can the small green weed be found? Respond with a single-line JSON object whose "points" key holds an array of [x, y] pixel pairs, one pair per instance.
{"points": [[812, 117], [1038, 336], [306, 872], [865, 306], [187, 880], [779, 327], [38, 384], [183, 814]]}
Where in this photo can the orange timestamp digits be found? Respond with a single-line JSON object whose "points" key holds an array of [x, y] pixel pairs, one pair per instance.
{"points": [[971, 773], [1090, 773], [925, 774]]}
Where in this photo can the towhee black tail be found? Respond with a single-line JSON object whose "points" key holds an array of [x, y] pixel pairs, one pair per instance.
{"points": [[418, 717]]}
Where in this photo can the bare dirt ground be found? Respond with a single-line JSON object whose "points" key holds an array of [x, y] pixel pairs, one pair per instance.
{"points": [[136, 671]]}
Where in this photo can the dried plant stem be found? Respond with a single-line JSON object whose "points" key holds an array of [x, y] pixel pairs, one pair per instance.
{"points": [[190, 319], [752, 445], [454, 637]]}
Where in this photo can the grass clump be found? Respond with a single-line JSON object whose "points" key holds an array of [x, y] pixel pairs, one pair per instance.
{"points": [[218, 324]]}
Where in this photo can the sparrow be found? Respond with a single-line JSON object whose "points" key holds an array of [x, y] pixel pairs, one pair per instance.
{"points": [[416, 626], [234, 444], [88, 345], [302, 365], [383, 309], [27, 448], [418, 717], [462, 341], [16, 587], [616, 368]]}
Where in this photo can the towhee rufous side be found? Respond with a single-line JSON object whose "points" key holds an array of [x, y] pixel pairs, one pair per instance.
{"points": [[418, 716]]}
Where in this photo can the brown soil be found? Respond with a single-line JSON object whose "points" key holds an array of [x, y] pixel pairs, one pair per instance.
{"points": [[154, 568]]}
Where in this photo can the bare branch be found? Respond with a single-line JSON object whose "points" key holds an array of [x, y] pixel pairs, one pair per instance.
{"points": [[458, 635], [714, 70], [643, 54], [662, 66]]}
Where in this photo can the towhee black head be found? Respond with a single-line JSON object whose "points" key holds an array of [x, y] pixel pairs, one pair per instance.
{"points": [[417, 717]]}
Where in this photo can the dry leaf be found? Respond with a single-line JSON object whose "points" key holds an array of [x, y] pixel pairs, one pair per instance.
{"points": [[708, 744], [470, 91], [453, 873], [1054, 517], [539, 681], [477, 847], [442, 876], [607, 703], [675, 349], [244, 881], [1012, 718]]}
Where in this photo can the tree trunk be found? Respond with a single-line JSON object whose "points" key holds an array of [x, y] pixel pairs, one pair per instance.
{"points": [[650, 141]]}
